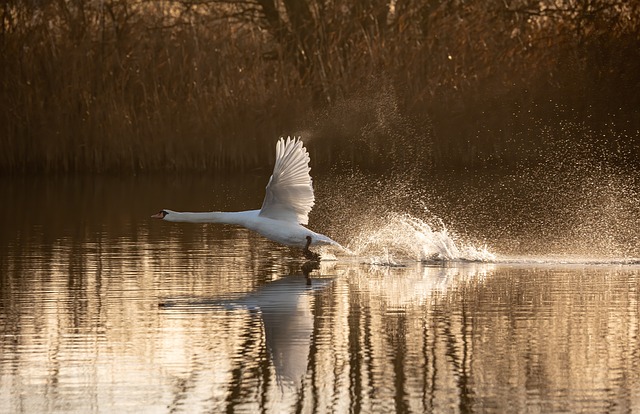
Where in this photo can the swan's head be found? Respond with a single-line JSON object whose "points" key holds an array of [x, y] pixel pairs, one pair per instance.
{"points": [[161, 214]]}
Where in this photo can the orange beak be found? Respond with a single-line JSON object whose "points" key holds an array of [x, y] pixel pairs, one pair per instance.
{"points": [[158, 215]]}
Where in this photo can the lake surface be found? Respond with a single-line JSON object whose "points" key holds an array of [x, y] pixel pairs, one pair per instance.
{"points": [[103, 309]]}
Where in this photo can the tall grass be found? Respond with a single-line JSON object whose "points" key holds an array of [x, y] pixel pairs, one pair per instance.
{"points": [[121, 86]]}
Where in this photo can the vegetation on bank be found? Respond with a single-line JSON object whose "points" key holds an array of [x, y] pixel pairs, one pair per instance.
{"points": [[115, 85]]}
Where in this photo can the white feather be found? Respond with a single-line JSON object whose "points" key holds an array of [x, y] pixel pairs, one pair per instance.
{"points": [[289, 194], [286, 206]]}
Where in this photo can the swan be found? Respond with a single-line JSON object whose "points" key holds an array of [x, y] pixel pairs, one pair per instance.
{"points": [[285, 210]]}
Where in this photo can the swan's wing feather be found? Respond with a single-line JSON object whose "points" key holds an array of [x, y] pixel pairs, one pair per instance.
{"points": [[290, 189]]}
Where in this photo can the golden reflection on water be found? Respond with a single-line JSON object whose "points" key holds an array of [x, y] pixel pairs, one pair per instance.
{"points": [[241, 329]]}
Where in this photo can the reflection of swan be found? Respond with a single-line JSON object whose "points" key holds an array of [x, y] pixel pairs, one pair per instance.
{"points": [[288, 323], [286, 206], [284, 307]]}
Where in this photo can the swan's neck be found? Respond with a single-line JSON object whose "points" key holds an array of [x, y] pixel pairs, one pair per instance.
{"points": [[239, 217]]}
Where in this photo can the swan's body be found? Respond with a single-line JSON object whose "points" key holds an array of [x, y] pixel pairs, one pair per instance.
{"points": [[288, 201], [281, 231]]}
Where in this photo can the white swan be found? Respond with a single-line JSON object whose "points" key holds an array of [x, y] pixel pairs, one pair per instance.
{"points": [[288, 201]]}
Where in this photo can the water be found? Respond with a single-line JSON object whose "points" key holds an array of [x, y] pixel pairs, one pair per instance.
{"points": [[105, 310]]}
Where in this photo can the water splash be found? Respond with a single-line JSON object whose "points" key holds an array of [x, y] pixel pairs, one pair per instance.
{"points": [[560, 190], [403, 236]]}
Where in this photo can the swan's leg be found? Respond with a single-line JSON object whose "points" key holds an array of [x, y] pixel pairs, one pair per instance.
{"points": [[307, 268], [308, 254]]}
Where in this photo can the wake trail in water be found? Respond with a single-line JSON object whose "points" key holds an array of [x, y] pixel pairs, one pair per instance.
{"points": [[567, 260]]}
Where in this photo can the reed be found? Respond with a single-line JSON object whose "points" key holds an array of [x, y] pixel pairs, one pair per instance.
{"points": [[133, 87]]}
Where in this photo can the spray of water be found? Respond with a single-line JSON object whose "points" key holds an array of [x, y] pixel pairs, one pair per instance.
{"points": [[403, 236], [575, 197]]}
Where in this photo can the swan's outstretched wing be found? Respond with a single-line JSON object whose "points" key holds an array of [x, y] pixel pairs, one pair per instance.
{"points": [[290, 190]]}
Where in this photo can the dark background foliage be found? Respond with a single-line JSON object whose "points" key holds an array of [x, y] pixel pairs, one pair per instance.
{"points": [[130, 86]]}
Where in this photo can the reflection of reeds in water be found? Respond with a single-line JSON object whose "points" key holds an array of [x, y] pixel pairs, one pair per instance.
{"points": [[486, 332], [82, 319]]}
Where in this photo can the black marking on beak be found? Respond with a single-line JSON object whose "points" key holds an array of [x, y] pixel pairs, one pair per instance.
{"points": [[160, 214]]}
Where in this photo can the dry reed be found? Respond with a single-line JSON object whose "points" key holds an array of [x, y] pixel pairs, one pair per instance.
{"points": [[130, 87]]}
